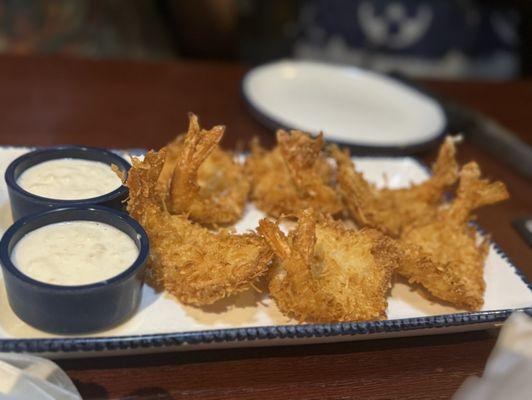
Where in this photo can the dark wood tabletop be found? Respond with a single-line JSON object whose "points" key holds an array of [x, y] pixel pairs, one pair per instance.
{"points": [[119, 104]]}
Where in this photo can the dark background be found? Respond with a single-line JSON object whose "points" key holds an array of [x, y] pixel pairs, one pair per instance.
{"points": [[464, 39]]}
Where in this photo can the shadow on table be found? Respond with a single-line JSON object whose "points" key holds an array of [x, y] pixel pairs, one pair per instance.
{"points": [[151, 393], [93, 391]]}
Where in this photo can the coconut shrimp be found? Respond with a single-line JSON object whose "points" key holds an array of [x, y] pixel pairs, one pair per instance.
{"points": [[390, 210], [293, 176], [195, 264], [444, 254], [200, 180], [325, 272]]}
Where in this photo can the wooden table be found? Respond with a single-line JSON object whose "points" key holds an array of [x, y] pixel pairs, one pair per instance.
{"points": [[45, 101]]}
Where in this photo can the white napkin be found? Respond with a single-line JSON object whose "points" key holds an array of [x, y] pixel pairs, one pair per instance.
{"points": [[25, 377], [508, 372]]}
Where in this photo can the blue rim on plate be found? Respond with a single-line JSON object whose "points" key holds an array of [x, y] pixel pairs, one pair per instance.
{"points": [[25, 203], [273, 123], [75, 308], [266, 333]]}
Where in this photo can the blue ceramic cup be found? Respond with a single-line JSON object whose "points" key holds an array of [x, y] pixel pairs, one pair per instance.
{"points": [[25, 203], [74, 309]]}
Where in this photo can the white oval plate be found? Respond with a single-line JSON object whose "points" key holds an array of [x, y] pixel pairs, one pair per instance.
{"points": [[350, 105]]}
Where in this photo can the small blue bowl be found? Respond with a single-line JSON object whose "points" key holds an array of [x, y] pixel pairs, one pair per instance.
{"points": [[74, 309], [25, 203]]}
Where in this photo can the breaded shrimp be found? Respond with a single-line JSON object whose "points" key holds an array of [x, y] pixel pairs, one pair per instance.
{"points": [[390, 210], [195, 264], [328, 273], [202, 181], [444, 254], [293, 176]]}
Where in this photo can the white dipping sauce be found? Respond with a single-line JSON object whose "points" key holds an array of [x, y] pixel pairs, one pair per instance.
{"points": [[69, 179], [74, 253]]}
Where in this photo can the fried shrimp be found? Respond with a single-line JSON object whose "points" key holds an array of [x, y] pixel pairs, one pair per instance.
{"points": [[390, 210], [326, 272], [293, 176], [201, 180], [195, 264], [443, 254]]}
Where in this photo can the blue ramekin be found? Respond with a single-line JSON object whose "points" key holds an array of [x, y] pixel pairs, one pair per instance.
{"points": [[25, 203], [74, 309]]}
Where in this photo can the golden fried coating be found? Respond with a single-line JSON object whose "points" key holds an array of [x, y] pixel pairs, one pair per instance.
{"points": [[293, 176], [328, 273], [202, 181], [443, 254], [390, 210], [195, 264]]}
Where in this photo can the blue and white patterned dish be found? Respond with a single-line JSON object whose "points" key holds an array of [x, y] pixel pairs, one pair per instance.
{"points": [[252, 319]]}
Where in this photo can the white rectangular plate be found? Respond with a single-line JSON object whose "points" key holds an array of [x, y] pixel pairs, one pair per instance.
{"points": [[252, 318]]}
